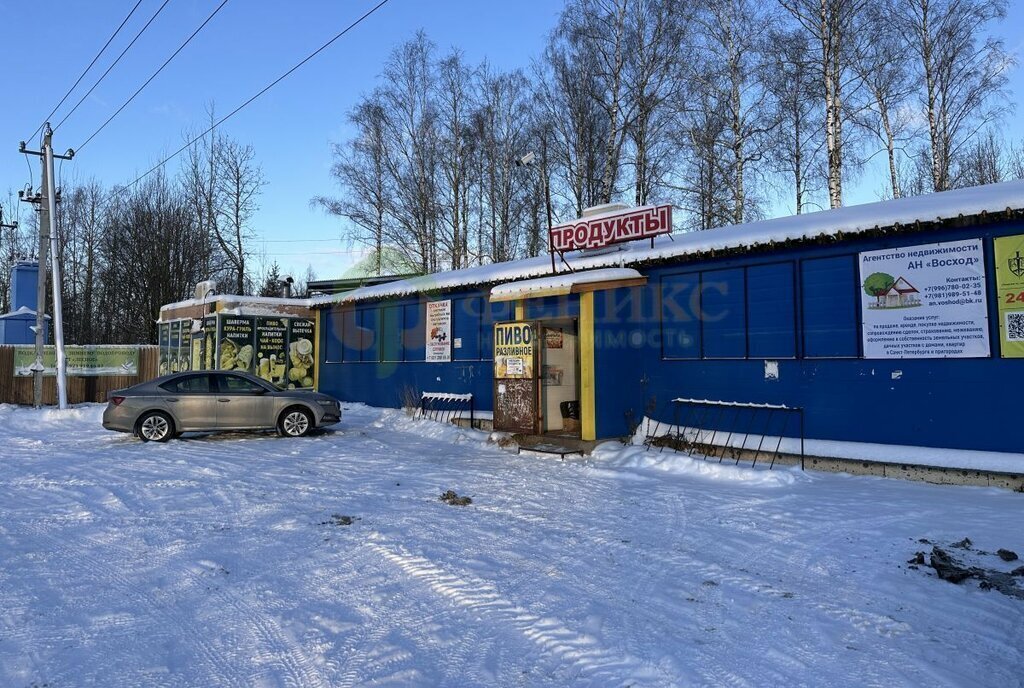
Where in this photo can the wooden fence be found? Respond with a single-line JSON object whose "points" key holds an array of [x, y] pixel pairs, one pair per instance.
{"points": [[18, 390]]}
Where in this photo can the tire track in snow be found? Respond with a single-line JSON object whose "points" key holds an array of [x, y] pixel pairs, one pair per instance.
{"points": [[480, 598]]}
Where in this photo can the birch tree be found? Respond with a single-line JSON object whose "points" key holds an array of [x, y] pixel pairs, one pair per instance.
{"points": [[832, 26], [964, 73]]}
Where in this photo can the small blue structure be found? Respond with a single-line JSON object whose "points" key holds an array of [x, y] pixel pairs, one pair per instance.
{"points": [[790, 311], [16, 326]]}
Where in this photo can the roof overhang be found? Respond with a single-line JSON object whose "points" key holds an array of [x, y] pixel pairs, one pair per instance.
{"points": [[568, 283]]}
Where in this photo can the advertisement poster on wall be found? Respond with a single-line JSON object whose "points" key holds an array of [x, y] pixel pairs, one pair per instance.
{"points": [[301, 353], [174, 349], [209, 342], [925, 301], [271, 339], [439, 331], [236, 343], [164, 342], [514, 350], [1010, 291], [185, 347]]}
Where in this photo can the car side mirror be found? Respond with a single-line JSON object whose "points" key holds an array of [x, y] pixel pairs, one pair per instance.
{"points": [[259, 391]]}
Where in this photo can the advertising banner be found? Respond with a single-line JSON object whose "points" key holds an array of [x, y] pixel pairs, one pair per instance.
{"points": [[301, 353], [174, 350], [185, 347], [236, 343], [1010, 291], [514, 350], [925, 301], [209, 342], [164, 342], [439, 331], [271, 341], [82, 361]]}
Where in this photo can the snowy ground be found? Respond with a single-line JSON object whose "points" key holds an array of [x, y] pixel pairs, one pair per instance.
{"points": [[217, 561]]}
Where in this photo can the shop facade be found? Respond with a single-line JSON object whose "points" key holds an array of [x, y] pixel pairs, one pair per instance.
{"points": [[272, 338], [896, 323]]}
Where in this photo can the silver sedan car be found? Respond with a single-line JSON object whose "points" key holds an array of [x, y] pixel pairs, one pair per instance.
{"points": [[163, 408]]}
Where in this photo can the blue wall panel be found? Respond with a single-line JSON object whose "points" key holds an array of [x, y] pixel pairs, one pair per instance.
{"points": [[680, 321], [723, 313], [771, 311], [828, 293]]}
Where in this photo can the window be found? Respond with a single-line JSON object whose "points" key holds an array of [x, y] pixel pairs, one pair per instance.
{"points": [[828, 290], [723, 313], [233, 384], [680, 327], [391, 333], [771, 311], [193, 384]]}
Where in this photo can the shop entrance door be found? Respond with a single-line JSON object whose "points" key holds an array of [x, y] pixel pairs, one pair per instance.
{"points": [[515, 377], [558, 342]]}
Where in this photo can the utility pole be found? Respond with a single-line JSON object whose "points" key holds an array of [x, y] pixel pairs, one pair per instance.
{"points": [[11, 226], [48, 238]]}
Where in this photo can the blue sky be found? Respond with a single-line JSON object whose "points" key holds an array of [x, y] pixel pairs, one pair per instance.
{"points": [[247, 45]]}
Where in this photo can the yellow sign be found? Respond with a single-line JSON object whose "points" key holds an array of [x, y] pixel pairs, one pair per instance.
{"points": [[514, 346], [1010, 292]]}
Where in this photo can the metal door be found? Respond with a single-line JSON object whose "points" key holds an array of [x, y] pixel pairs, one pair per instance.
{"points": [[515, 377], [242, 403]]}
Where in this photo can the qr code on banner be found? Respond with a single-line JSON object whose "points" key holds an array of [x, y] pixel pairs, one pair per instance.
{"points": [[1015, 326]]}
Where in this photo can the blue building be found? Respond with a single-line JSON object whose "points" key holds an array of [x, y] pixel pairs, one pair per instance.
{"points": [[16, 326], [892, 323]]}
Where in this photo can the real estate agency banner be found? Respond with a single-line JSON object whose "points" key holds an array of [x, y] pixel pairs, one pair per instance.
{"points": [[925, 301], [1010, 291], [439, 331]]}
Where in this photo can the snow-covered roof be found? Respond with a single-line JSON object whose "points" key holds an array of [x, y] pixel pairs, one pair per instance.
{"points": [[21, 313], [237, 305], [946, 205], [562, 283]]}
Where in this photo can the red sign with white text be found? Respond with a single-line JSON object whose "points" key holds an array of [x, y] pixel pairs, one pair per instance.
{"points": [[604, 230]]}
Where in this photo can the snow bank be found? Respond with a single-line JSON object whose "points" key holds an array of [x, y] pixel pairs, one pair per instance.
{"points": [[935, 457], [615, 455]]}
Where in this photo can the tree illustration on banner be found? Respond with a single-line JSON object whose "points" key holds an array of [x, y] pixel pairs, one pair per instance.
{"points": [[877, 284]]}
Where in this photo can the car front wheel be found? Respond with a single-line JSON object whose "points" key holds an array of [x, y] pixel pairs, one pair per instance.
{"points": [[295, 422], [155, 427]]}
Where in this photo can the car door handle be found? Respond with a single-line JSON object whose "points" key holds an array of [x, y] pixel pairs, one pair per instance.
{"points": [[223, 401], [172, 398]]}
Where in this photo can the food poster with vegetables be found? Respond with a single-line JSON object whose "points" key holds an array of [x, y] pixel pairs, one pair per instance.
{"points": [[301, 353], [185, 347], [271, 340], [198, 339], [236, 343], [209, 342], [164, 342]]}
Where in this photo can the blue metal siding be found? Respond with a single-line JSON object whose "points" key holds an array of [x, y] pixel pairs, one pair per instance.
{"points": [[680, 324], [828, 290], [724, 313], [771, 311]]}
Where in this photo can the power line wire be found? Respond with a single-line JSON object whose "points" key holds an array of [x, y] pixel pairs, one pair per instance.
{"points": [[86, 71], [113, 64], [260, 93], [153, 76]]}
